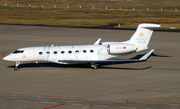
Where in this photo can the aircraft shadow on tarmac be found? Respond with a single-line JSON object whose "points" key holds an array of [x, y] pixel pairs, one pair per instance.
{"points": [[153, 54], [101, 65]]}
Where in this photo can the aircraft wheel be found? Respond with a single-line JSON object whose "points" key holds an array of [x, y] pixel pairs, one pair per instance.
{"points": [[16, 68], [95, 68]]}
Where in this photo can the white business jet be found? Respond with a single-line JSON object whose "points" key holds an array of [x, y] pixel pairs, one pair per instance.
{"points": [[88, 54]]}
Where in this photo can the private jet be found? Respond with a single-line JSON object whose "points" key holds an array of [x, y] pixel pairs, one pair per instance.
{"points": [[98, 52]]}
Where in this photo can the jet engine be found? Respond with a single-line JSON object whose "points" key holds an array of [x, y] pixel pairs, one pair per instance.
{"points": [[120, 48]]}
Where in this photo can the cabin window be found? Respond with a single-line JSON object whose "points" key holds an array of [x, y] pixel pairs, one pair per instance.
{"points": [[92, 51], [40, 53], [77, 51], [18, 51], [84, 51], [69, 52], [62, 52], [55, 52], [48, 52]]}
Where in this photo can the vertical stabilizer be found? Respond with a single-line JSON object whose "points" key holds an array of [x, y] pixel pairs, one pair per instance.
{"points": [[143, 35]]}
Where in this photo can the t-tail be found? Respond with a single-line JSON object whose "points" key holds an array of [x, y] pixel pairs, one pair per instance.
{"points": [[142, 36]]}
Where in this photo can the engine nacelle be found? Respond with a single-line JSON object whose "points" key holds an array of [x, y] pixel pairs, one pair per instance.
{"points": [[120, 48]]}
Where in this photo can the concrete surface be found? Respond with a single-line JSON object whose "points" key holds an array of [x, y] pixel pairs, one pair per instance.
{"points": [[156, 80]]}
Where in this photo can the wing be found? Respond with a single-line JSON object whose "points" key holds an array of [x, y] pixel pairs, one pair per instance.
{"points": [[143, 58]]}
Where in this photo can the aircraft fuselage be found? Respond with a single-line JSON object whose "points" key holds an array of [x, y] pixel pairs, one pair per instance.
{"points": [[56, 53]]}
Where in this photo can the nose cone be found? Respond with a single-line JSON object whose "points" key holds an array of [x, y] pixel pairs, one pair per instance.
{"points": [[7, 58]]}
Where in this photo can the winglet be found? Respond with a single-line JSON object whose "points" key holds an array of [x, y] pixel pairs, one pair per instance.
{"points": [[146, 55], [97, 42]]}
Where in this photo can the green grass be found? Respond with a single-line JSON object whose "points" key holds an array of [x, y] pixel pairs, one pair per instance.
{"points": [[87, 17]]}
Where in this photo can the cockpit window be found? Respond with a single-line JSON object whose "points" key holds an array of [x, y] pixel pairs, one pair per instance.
{"points": [[18, 51]]}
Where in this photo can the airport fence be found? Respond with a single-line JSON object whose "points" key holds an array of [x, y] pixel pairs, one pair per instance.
{"points": [[88, 8], [139, 0]]}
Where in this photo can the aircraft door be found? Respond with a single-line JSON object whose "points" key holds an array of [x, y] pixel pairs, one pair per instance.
{"points": [[31, 54]]}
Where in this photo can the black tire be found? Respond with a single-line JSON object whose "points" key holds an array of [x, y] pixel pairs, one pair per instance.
{"points": [[16, 68]]}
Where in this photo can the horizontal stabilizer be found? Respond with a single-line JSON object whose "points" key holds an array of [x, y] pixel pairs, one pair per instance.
{"points": [[145, 57]]}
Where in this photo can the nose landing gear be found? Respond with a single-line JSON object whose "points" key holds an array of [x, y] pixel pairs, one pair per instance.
{"points": [[16, 66]]}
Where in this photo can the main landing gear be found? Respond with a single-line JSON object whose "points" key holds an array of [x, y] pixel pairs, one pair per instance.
{"points": [[16, 66], [94, 66]]}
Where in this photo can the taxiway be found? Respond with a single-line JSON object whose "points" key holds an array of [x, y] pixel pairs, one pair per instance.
{"points": [[156, 80]]}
